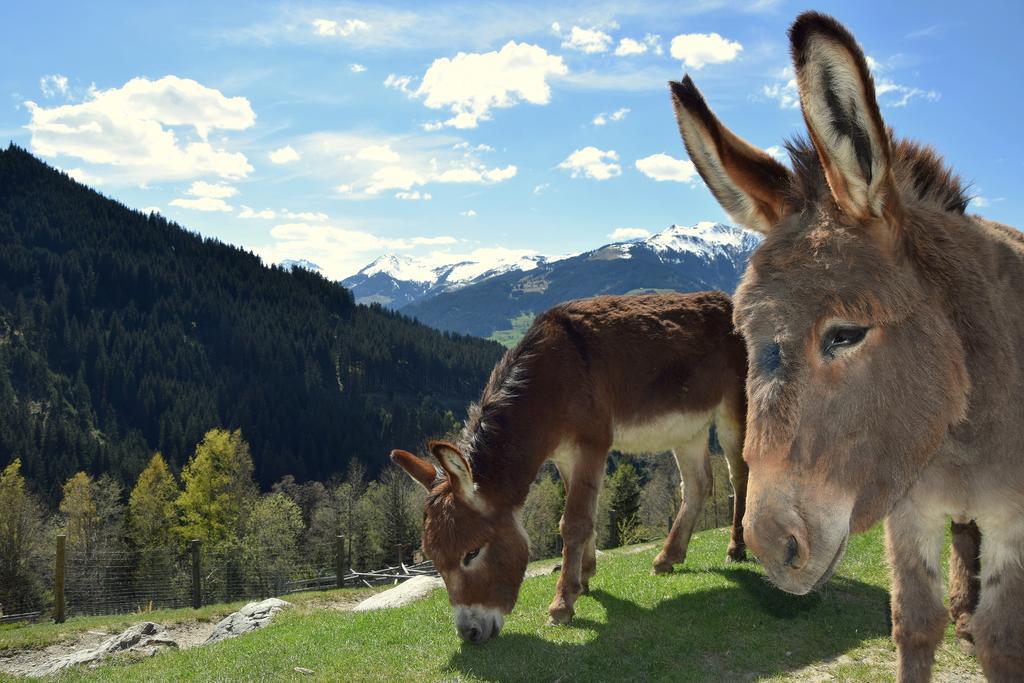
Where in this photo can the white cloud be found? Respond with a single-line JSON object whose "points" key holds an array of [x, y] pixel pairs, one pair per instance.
{"points": [[469, 213], [470, 85], [588, 40], [53, 85], [617, 115], [305, 215], [556, 28], [901, 94], [400, 83], [628, 47], [150, 209], [142, 130], [203, 204], [662, 167], [591, 162], [334, 29], [381, 153], [412, 196], [623, 234], [776, 152], [356, 68], [699, 49], [201, 188], [394, 178], [541, 189], [654, 42], [339, 250], [784, 89], [345, 188], [84, 177], [476, 174], [249, 212], [979, 202], [283, 155]]}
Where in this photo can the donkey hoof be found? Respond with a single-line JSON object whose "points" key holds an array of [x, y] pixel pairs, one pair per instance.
{"points": [[585, 587], [736, 554], [560, 616], [662, 568]]}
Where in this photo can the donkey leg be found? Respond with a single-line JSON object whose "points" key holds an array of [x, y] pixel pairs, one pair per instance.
{"points": [[998, 623], [577, 527], [730, 436], [914, 545], [589, 562], [694, 463], [964, 586]]}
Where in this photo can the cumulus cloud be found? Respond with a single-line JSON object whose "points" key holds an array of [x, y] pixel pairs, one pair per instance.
{"points": [[336, 29], [381, 153], [356, 68], [783, 90], [201, 188], [617, 115], [541, 189], [591, 162], [588, 40], [698, 49], [339, 249], [203, 204], [623, 234], [662, 167], [146, 130], [84, 177], [776, 152], [53, 85], [629, 47], [283, 155], [249, 212], [895, 95], [413, 196], [469, 213], [470, 85], [394, 178], [476, 174]]}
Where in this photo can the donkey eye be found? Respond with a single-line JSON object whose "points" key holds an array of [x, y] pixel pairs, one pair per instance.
{"points": [[470, 556], [842, 337]]}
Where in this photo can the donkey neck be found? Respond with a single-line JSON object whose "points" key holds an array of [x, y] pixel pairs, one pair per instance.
{"points": [[507, 449]]}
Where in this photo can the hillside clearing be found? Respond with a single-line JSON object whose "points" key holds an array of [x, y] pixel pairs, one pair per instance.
{"points": [[709, 621]]}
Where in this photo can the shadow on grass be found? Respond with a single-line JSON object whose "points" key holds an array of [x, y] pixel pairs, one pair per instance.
{"points": [[716, 634]]}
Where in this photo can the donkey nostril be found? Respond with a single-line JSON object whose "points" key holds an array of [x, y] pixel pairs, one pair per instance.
{"points": [[791, 551], [474, 635]]}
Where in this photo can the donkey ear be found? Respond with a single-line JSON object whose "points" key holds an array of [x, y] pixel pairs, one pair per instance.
{"points": [[748, 183], [837, 96], [460, 474], [417, 468]]}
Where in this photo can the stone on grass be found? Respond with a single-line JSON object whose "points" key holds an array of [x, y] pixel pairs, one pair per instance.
{"points": [[251, 617], [412, 590], [145, 637]]}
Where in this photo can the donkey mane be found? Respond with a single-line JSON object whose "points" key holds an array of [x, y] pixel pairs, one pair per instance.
{"points": [[506, 382], [918, 168]]}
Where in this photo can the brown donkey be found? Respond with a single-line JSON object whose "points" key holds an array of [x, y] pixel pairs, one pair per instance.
{"points": [[636, 373], [886, 336]]}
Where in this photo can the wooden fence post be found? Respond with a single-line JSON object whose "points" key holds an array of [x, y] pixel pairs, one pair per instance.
{"points": [[197, 576], [58, 587], [339, 560]]}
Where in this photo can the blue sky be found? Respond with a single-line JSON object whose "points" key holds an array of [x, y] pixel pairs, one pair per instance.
{"points": [[338, 132]]}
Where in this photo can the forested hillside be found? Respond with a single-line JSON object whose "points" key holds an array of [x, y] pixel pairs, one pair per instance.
{"points": [[122, 334]]}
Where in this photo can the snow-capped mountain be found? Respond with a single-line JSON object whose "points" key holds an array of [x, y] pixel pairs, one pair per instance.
{"points": [[290, 264], [398, 280], [484, 298]]}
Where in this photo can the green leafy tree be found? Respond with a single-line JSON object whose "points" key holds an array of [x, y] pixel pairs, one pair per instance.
{"points": [[151, 511], [78, 506], [625, 502], [540, 515], [271, 543], [218, 489], [24, 565]]}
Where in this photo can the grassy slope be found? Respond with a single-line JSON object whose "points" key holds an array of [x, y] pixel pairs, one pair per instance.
{"points": [[709, 621], [520, 324]]}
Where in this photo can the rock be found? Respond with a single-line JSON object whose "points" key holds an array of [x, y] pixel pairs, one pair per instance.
{"points": [[145, 637], [412, 590], [251, 617]]}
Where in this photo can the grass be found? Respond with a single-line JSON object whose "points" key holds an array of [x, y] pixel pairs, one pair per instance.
{"points": [[709, 621], [520, 324], [19, 636]]}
